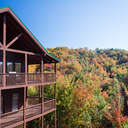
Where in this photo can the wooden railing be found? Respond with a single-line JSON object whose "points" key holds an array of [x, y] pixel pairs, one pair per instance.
{"points": [[10, 118], [49, 77], [33, 78], [32, 100], [16, 79], [49, 105], [33, 110]]}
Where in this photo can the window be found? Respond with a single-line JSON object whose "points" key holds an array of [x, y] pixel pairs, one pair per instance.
{"points": [[15, 98], [18, 67], [9, 67]]}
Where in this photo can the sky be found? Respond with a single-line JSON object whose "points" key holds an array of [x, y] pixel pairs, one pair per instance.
{"points": [[75, 23]]}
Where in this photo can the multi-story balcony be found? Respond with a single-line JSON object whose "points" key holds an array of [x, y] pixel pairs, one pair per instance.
{"points": [[22, 79], [19, 50]]}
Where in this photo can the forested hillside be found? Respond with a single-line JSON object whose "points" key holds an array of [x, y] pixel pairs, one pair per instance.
{"points": [[92, 88]]}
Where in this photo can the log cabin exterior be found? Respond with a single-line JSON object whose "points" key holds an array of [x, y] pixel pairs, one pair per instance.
{"points": [[19, 49]]}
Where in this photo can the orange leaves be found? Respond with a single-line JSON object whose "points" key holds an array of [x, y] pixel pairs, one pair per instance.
{"points": [[104, 94], [114, 113], [123, 119], [77, 66], [83, 95]]}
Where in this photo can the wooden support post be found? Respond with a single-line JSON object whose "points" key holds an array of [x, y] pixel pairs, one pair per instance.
{"points": [[26, 68], [4, 68], [26, 96], [0, 107], [55, 96], [42, 93], [42, 70], [24, 107], [25, 88], [55, 120], [42, 87], [4, 30], [42, 106], [4, 52], [40, 97], [42, 118], [42, 122]]}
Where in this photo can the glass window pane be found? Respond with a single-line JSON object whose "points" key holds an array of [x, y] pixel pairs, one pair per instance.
{"points": [[15, 98]]}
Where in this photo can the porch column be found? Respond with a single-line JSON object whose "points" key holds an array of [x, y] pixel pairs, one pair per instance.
{"points": [[24, 107], [4, 68], [25, 89], [26, 68], [42, 93], [55, 94], [40, 97], [4, 52], [42, 70], [26, 96]]}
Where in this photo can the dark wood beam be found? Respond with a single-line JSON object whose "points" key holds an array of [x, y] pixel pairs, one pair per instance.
{"points": [[4, 30], [14, 40], [20, 51]]}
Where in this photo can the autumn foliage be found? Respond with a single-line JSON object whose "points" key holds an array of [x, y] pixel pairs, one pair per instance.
{"points": [[92, 88]]}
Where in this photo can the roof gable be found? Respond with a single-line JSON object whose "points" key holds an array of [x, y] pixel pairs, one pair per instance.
{"points": [[29, 33]]}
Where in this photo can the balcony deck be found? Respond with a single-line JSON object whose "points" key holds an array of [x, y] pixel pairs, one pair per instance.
{"points": [[21, 79], [12, 119]]}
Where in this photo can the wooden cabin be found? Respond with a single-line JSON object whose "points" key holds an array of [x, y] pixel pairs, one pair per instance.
{"points": [[18, 50]]}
